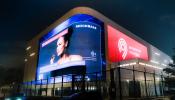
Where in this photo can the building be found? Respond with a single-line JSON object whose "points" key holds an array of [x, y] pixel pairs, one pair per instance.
{"points": [[84, 42]]}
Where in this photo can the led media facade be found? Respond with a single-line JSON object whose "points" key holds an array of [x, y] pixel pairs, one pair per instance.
{"points": [[73, 47], [77, 46], [121, 47]]}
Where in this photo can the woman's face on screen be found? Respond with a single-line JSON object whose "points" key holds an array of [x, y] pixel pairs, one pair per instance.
{"points": [[61, 45]]}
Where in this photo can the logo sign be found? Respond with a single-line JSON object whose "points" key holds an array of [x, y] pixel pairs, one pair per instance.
{"points": [[122, 47]]}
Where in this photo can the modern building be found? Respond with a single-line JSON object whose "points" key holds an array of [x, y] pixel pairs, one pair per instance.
{"points": [[86, 45]]}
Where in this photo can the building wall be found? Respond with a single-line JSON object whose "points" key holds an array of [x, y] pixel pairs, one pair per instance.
{"points": [[31, 64], [158, 57]]}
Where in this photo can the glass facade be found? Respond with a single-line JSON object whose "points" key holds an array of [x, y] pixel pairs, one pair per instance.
{"points": [[120, 84]]}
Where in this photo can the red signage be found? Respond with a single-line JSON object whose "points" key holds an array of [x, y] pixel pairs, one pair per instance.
{"points": [[121, 47]]}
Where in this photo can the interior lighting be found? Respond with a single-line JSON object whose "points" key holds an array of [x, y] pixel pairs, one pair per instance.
{"points": [[163, 65], [25, 60], [158, 54], [148, 65], [7, 99], [154, 62], [32, 54], [142, 63], [28, 48], [18, 98]]}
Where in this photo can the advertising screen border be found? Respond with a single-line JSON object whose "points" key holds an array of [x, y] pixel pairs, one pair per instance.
{"points": [[128, 36]]}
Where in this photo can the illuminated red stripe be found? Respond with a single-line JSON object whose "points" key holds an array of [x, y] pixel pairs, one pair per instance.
{"points": [[55, 37]]}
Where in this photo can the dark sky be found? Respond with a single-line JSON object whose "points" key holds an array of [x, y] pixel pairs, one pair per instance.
{"points": [[20, 20]]}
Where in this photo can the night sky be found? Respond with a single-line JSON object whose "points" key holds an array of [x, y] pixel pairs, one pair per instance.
{"points": [[20, 20]]}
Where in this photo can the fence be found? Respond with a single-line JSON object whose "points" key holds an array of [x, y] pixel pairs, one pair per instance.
{"points": [[117, 83]]}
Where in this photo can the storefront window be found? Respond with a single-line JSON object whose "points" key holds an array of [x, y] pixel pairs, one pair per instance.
{"points": [[127, 82], [140, 83], [150, 84]]}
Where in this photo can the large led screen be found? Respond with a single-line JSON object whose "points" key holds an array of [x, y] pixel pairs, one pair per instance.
{"points": [[73, 47], [122, 47]]}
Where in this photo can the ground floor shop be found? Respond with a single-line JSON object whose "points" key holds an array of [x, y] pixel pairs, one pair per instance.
{"points": [[121, 82]]}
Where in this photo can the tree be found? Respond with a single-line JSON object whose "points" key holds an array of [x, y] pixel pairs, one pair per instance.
{"points": [[11, 75], [171, 70], [169, 80]]}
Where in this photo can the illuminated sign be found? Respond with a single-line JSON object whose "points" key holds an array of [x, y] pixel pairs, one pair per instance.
{"points": [[72, 47], [121, 47]]}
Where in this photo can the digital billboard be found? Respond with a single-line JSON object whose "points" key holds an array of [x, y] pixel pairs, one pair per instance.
{"points": [[122, 47], [73, 47]]}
